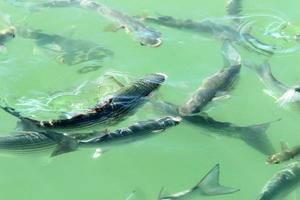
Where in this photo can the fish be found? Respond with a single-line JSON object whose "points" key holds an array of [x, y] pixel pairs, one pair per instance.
{"points": [[286, 154], [131, 133], [67, 50], [144, 35], [234, 9], [7, 35], [208, 186], [219, 31], [253, 135], [283, 93], [110, 110], [216, 85], [282, 183]]}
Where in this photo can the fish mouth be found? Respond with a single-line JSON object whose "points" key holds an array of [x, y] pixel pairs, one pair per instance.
{"points": [[158, 43]]}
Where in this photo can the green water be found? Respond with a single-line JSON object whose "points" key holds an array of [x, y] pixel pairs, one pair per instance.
{"points": [[176, 159]]}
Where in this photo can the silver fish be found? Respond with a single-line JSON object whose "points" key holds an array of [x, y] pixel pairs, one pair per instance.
{"points": [[283, 94], [111, 110], [134, 132], [283, 182], [208, 186], [146, 36], [216, 85], [286, 154]]}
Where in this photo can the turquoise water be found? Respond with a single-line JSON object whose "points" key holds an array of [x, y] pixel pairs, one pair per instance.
{"points": [[36, 82]]}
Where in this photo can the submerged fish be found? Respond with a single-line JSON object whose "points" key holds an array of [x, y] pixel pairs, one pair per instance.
{"points": [[66, 50], [7, 35], [216, 85], [282, 93], [208, 186], [146, 36], [253, 135], [111, 110], [124, 135], [216, 30], [281, 183], [285, 154]]}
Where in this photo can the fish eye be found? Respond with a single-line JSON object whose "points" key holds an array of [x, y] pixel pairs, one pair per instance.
{"points": [[142, 44]]}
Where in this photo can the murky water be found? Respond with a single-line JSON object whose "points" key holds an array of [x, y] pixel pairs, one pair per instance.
{"points": [[40, 80]]}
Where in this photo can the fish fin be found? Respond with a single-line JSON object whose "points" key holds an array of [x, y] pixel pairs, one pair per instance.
{"points": [[256, 137], [99, 152], [210, 183], [284, 146], [231, 56], [113, 28], [289, 96], [65, 143], [221, 96]]}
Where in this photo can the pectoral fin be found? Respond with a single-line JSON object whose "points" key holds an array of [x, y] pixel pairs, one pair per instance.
{"points": [[65, 143], [210, 185]]}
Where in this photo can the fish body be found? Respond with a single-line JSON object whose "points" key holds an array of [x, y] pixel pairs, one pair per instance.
{"points": [[209, 89], [208, 186], [281, 183], [67, 50], [132, 133], [137, 130], [146, 36], [219, 31], [26, 141], [216, 85], [285, 154], [110, 110]]}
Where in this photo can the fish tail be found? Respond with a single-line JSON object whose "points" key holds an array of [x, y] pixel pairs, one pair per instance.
{"points": [[255, 136], [210, 183]]}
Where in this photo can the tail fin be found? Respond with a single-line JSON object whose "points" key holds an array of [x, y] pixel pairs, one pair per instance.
{"points": [[210, 185], [256, 137]]}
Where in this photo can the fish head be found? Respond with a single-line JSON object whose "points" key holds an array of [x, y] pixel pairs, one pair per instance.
{"points": [[149, 37], [275, 158], [8, 33]]}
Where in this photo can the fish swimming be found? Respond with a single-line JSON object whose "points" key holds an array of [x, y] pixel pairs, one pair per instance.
{"points": [[208, 186], [110, 110], [63, 143], [253, 135], [7, 35], [67, 50], [120, 136], [216, 85], [283, 94], [286, 154], [146, 36], [283, 182], [219, 31]]}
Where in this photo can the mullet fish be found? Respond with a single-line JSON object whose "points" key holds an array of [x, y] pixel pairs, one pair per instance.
{"points": [[283, 182], [63, 143], [113, 109], [286, 154]]}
